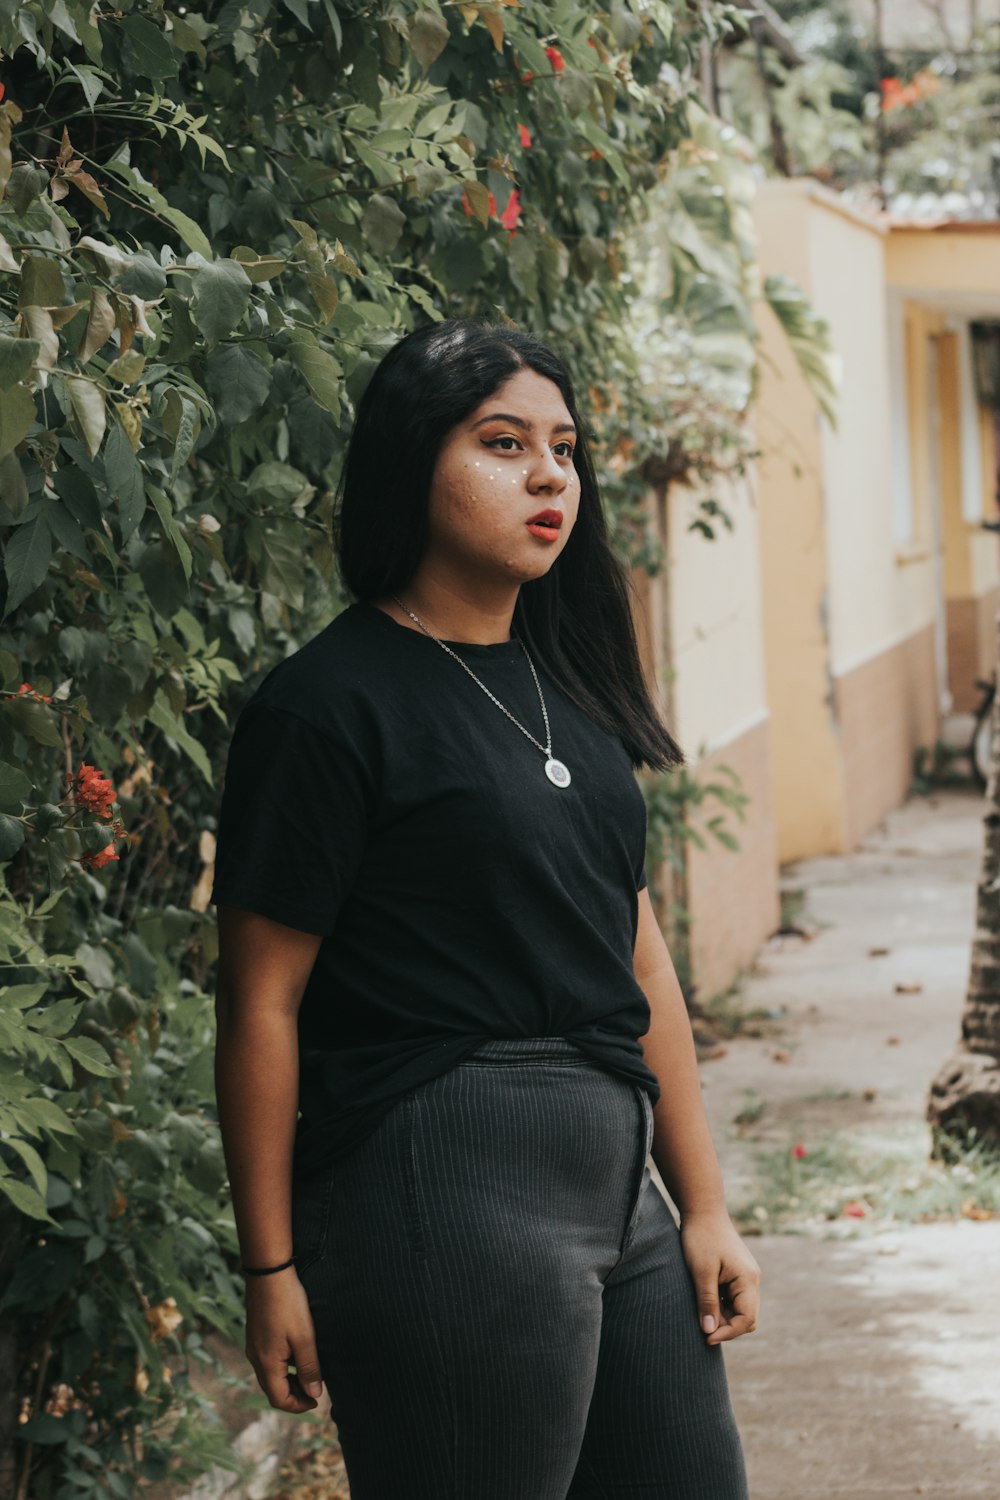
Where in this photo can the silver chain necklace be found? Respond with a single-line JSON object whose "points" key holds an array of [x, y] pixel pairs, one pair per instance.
{"points": [[557, 773]]}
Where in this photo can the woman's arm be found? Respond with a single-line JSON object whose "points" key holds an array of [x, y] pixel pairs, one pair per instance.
{"points": [[263, 970], [682, 1145]]}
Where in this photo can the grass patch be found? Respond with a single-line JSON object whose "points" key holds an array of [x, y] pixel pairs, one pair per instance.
{"points": [[852, 1179], [726, 1015]]}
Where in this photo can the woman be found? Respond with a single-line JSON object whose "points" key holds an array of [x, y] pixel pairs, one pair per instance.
{"points": [[438, 950]]}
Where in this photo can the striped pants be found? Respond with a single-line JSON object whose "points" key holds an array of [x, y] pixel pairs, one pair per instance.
{"points": [[502, 1307]]}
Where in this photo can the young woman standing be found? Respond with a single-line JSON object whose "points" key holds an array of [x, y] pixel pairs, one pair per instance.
{"points": [[437, 959]]}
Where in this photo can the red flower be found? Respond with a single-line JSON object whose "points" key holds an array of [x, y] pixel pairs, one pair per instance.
{"points": [[798, 1151], [94, 792], [511, 213], [96, 861], [555, 57], [2, 90], [525, 135], [854, 1210], [27, 691]]}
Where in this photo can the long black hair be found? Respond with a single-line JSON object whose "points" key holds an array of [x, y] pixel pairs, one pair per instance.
{"points": [[577, 617]]}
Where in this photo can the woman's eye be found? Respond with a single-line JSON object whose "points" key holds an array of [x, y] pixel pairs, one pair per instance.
{"points": [[567, 450], [495, 443]]}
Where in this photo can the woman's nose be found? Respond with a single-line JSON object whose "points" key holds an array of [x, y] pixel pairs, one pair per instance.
{"points": [[547, 473]]}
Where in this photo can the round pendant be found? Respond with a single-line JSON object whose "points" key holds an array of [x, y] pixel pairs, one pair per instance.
{"points": [[557, 773]]}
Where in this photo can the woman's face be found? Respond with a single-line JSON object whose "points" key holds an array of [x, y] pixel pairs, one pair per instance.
{"points": [[509, 461]]}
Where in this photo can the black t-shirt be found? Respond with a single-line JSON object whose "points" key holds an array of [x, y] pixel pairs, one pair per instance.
{"points": [[376, 796]]}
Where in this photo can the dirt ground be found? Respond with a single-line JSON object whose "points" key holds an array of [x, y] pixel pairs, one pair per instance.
{"points": [[875, 1370]]}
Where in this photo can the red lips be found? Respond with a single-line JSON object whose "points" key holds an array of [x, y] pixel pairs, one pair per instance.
{"points": [[547, 518]]}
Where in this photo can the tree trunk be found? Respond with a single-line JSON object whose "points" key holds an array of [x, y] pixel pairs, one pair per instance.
{"points": [[965, 1094]]}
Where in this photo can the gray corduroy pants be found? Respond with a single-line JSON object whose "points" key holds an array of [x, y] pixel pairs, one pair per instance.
{"points": [[501, 1302]]}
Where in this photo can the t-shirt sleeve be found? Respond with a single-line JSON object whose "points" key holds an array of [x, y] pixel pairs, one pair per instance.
{"points": [[641, 884], [293, 820]]}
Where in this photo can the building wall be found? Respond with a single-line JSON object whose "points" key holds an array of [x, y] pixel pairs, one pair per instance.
{"points": [[848, 559], [943, 277], [734, 897], [704, 647]]}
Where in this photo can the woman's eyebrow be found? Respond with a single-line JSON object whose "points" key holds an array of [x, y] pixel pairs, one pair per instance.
{"points": [[506, 416]]}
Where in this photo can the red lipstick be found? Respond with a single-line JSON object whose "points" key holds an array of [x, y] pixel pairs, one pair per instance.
{"points": [[546, 525]]}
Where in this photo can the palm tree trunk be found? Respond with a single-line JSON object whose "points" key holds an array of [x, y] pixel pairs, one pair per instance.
{"points": [[965, 1094]]}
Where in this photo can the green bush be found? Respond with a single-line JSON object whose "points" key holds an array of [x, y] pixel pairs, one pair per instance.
{"points": [[215, 219]]}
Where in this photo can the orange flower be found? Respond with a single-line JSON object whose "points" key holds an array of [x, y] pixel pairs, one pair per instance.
{"points": [[94, 791], [27, 691], [555, 57], [96, 861], [524, 134], [511, 213]]}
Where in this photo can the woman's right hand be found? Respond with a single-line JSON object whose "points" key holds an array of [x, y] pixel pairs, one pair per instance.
{"points": [[280, 1333]]}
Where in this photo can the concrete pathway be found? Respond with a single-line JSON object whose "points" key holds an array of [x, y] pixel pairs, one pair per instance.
{"points": [[875, 1371]]}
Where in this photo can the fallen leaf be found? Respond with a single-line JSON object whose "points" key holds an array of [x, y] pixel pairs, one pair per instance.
{"points": [[878, 952], [870, 1094], [893, 1041], [908, 989], [971, 1210], [781, 1055]]}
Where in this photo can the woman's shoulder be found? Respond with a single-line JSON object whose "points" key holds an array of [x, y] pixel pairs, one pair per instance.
{"points": [[332, 681]]}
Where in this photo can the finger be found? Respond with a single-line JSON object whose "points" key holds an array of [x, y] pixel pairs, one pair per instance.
{"points": [[305, 1358], [739, 1314], [732, 1329], [278, 1388], [709, 1315]]}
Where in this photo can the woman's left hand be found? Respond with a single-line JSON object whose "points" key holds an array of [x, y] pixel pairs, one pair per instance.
{"points": [[726, 1276]]}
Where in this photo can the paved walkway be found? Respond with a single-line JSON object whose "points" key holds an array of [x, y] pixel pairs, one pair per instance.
{"points": [[875, 1371]]}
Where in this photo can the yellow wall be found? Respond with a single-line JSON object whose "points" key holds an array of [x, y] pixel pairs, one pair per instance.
{"points": [[846, 606], [963, 260], [808, 781]]}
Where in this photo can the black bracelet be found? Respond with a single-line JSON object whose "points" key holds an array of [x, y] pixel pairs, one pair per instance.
{"points": [[267, 1270]]}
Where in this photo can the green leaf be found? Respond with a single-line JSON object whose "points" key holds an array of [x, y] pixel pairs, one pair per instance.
{"points": [[26, 557], [11, 836], [16, 358], [382, 223], [13, 488], [90, 1055], [27, 1200], [194, 237], [87, 400], [66, 530], [15, 788], [25, 185], [238, 382], [281, 566], [221, 296], [321, 372], [163, 716], [31, 1159], [100, 325], [127, 368], [146, 50], [17, 412], [42, 283], [124, 479], [180, 422], [258, 267], [429, 36], [171, 530], [275, 481]]}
